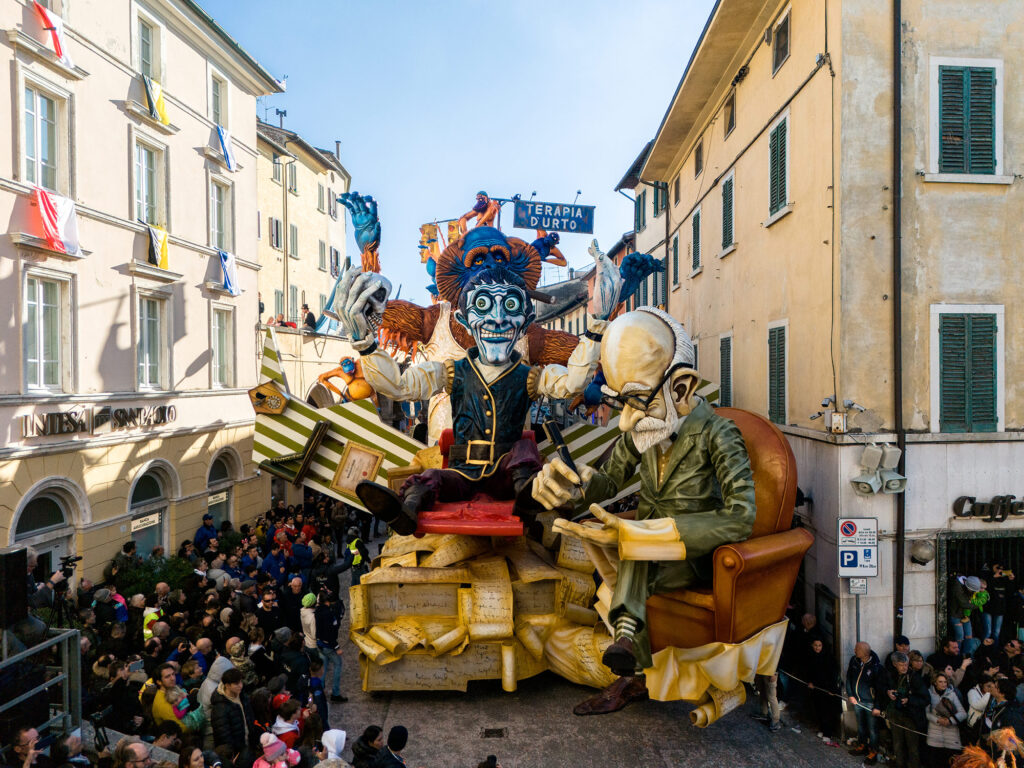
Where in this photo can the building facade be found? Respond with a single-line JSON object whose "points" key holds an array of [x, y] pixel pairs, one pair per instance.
{"points": [[298, 186], [123, 401], [853, 286]]}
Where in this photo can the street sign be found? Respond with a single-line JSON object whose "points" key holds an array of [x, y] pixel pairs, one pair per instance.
{"points": [[146, 521], [858, 586], [857, 547], [554, 217]]}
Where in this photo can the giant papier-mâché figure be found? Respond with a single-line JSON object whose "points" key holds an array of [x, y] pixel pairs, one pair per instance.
{"points": [[696, 485], [491, 388], [433, 332]]}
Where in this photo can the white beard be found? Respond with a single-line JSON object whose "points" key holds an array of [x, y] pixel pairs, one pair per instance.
{"points": [[648, 432]]}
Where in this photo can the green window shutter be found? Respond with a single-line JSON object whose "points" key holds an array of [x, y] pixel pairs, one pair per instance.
{"points": [[952, 120], [777, 168], [675, 260], [695, 223], [725, 371], [663, 280], [967, 120], [727, 213], [981, 356], [967, 373], [981, 117], [953, 376], [643, 293], [777, 375]]}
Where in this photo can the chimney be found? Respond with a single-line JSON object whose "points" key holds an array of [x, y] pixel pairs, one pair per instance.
{"points": [[337, 150]]}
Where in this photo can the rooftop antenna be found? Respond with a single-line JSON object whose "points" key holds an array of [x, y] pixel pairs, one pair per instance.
{"points": [[281, 114]]}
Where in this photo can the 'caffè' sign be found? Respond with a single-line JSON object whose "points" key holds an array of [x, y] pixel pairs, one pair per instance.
{"points": [[995, 511], [96, 420]]}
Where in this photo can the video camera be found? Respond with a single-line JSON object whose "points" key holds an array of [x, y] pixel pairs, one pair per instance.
{"points": [[67, 567]]}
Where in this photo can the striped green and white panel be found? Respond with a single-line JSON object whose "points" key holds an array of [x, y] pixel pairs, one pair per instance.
{"points": [[277, 435], [280, 434], [270, 367]]}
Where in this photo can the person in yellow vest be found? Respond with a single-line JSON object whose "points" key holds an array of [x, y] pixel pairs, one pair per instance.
{"points": [[360, 555]]}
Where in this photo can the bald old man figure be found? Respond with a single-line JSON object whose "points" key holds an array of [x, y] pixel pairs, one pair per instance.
{"points": [[696, 486]]}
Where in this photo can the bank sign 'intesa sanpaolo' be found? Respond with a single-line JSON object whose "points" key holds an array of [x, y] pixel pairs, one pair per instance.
{"points": [[554, 217]]}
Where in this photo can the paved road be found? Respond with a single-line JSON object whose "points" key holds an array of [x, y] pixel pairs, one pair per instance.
{"points": [[447, 729]]}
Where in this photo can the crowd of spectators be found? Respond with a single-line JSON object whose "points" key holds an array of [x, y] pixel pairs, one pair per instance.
{"points": [[921, 711], [228, 653]]}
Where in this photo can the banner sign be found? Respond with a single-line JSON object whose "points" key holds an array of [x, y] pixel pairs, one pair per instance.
{"points": [[147, 521], [554, 217]]}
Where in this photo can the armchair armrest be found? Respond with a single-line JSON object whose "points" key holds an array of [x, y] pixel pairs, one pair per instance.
{"points": [[753, 580]]}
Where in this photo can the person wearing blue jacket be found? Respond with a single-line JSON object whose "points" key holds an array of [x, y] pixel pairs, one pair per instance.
{"points": [[206, 532], [276, 564], [302, 556], [864, 676]]}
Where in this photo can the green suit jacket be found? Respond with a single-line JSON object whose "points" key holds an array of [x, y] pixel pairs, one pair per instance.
{"points": [[708, 488]]}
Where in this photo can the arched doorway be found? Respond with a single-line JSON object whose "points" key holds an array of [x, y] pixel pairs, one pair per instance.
{"points": [[149, 512], [220, 486], [45, 522]]}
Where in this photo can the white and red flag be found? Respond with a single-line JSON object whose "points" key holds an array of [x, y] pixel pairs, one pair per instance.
{"points": [[60, 224], [54, 24]]}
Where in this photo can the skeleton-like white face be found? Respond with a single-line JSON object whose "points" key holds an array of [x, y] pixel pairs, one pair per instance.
{"points": [[496, 316]]}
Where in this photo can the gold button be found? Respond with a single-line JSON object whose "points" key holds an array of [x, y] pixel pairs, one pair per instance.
{"points": [[487, 431], [488, 413]]}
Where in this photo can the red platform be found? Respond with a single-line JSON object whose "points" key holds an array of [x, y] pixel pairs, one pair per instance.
{"points": [[480, 516]]}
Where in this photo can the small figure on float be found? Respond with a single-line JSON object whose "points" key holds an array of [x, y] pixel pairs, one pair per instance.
{"points": [[491, 388], [485, 211], [696, 485], [351, 372]]}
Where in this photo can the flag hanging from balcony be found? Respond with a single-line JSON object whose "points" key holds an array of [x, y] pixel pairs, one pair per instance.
{"points": [[54, 24], [157, 246], [155, 97], [60, 224], [226, 147], [229, 272]]}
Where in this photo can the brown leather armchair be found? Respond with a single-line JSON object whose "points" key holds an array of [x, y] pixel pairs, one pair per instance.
{"points": [[752, 579]]}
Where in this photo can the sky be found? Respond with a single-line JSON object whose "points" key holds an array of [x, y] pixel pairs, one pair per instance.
{"points": [[433, 101]]}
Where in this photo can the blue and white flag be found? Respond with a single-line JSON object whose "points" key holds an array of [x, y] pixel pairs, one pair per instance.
{"points": [[226, 148], [230, 273]]}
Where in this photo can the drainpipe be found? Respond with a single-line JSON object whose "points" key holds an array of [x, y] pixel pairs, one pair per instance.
{"points": [[897, 308]]}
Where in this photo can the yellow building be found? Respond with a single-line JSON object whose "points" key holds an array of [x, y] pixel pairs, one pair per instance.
{"points": [[298, 186], [808, 251], [123, 403]]}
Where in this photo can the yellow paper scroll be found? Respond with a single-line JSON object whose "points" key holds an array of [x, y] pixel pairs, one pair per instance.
{"points": [[491, 610], [717, 703], [454, 549]]}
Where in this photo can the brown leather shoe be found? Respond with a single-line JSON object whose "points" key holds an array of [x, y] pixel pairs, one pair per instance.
{"points": [[619, 694], [620, 658]]}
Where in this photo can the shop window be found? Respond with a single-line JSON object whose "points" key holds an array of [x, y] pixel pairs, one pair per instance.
{"points": [[219, 481], [148, 509]]}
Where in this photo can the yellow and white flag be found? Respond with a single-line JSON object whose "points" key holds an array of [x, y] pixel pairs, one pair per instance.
{"points": [[157, 246]]}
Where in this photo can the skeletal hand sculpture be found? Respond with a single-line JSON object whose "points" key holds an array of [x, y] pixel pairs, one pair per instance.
{"points": [[359, 303]]}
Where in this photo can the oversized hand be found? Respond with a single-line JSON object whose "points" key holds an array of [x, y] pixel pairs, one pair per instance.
{"points": [[556, 485], [359, 302], [607, 535], [607, 284], [363, 210]]}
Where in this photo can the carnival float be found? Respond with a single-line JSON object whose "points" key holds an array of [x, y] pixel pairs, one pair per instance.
{"points": [[500, 525]]}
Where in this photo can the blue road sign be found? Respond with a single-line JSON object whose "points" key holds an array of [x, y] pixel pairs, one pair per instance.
{"points": [[847, 558], [554, 217]]}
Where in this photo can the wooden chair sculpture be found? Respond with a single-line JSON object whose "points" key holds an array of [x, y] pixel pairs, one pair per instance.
{"points": [[752, 579]]}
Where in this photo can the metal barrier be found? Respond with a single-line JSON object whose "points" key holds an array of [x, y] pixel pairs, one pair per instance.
{"points": [[67, 714]]}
